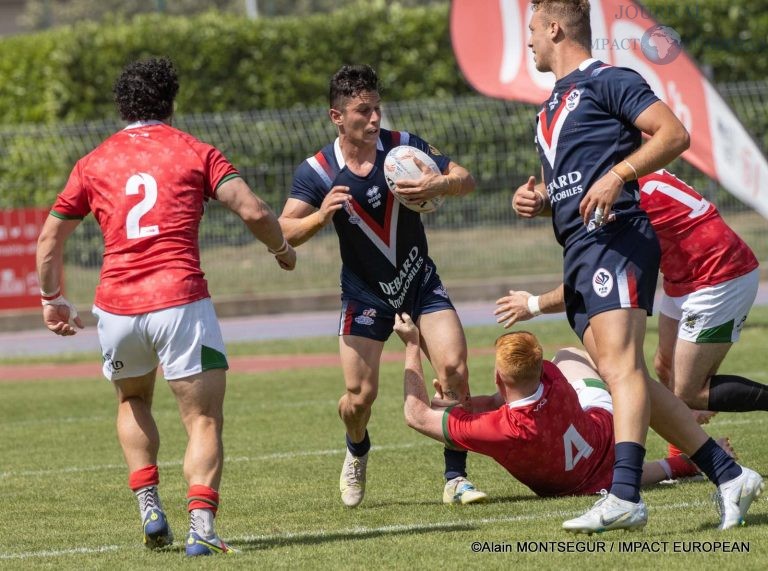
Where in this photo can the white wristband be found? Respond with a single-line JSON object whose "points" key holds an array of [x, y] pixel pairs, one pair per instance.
{"points": [[282, 249], [61, 300], [533, 305]]}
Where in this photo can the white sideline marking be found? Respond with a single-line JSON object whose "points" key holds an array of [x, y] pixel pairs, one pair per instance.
{"points": [[237, 459], [57, 553], [354, 531]]}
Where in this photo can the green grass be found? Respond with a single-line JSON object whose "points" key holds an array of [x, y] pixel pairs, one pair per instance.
{"points": [[64, 481]]}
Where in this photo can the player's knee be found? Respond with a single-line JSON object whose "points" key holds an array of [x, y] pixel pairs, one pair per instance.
{"points": [[688, 392], [362, 400]]}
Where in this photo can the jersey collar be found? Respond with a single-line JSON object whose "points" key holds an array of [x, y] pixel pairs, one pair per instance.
{"points": [[528, 400], [340, 157], [586, 63], [138, 124]]}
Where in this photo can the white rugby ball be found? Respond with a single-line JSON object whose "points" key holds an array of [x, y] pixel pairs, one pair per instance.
{"points": [[399, 165]]}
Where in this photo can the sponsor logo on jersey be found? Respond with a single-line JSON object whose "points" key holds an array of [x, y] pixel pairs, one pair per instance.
{"points": [[401, 284], [565, 186], [572, 101], [554, 101], [366, 318], [542, 404], [602, 282], [435, 151], [374, 196]]}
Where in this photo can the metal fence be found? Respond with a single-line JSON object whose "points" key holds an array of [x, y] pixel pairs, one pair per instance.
{"points": [[473, 238]]}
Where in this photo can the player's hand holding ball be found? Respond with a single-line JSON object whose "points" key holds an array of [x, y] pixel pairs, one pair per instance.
{"points": [[414, 179]]}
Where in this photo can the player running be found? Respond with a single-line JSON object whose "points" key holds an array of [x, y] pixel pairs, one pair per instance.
{"points": [[386, 266], [146, 186]]}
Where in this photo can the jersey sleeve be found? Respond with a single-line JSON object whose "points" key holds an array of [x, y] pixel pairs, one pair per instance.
{"points": [[217, 170], [625, 93], [307, 186], [440, 159], [72, 203], [474, 432]]}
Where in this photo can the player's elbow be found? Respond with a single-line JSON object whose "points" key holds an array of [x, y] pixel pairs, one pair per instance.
{"points": [[412, 417], [681, 140]]}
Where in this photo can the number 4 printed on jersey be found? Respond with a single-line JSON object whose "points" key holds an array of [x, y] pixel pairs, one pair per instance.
{"points": [[132, 227], [574, 442]]}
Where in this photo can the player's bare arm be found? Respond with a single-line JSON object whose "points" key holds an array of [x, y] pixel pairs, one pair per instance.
{"points": [[418, 414], [668, 139], [457, 181], [258, 217], [522, 305], [300, 220], [57, 311]]}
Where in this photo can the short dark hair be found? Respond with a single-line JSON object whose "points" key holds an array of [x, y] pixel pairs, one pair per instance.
{"points": [[572, 15], [146, 90], [351, 80]]}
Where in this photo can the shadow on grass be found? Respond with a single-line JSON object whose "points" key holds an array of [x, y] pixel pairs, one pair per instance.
{"points": [[309, 538]]}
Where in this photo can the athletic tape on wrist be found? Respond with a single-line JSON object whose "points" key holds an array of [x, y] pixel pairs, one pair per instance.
{"points": [[533, 305]]}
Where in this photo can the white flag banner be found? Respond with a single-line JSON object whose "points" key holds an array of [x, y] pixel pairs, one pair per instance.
{"points": [[490, 40]]}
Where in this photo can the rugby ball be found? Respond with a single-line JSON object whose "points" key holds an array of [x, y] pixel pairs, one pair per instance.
{"points": [[399, 165]]}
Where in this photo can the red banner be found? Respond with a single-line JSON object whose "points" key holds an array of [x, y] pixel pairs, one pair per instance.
{"points": [[19, 230], [490, 40]]}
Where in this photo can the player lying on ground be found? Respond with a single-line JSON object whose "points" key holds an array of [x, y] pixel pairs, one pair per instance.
{"points": [[560, 406]]}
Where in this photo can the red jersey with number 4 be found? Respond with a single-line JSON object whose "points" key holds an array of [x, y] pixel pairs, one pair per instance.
{"points": [[146, 186], [546, 441], [698, 249]]}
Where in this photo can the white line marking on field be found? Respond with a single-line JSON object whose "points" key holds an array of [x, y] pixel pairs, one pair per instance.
{"points": [[234, 459], [60, 552], [716, 422], [357, 530]]}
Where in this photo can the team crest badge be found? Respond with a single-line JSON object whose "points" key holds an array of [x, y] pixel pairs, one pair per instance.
{"points": [[573, 99], [689, 321], [602, 282]]}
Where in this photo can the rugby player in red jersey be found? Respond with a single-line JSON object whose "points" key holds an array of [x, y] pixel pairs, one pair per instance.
{"points": [[147, 185]]}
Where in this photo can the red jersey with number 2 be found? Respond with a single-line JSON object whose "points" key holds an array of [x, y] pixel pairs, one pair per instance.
{"points": [[546, 441], [146, 186], [698, 249]]}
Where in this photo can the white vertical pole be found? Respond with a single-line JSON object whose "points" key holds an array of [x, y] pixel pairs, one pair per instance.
{"points": [[252, 9]]}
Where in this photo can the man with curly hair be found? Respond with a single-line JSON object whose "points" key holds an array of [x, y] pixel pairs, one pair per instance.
{"points": [[147, 186]]}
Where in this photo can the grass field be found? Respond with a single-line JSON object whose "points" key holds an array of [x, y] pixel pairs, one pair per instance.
{"points": [[67, 505]]}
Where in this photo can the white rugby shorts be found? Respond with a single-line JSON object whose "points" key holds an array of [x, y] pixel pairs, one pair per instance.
{"points": [[185, 340], [592, 393], [714, 314]]}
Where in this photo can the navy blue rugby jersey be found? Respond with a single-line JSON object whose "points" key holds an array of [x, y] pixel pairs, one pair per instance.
{"points": [[585, 128], [382, 243]]}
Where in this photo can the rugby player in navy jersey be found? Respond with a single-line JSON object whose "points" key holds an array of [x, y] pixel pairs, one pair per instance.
{"points": [[589, 142], [385, 264]]}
